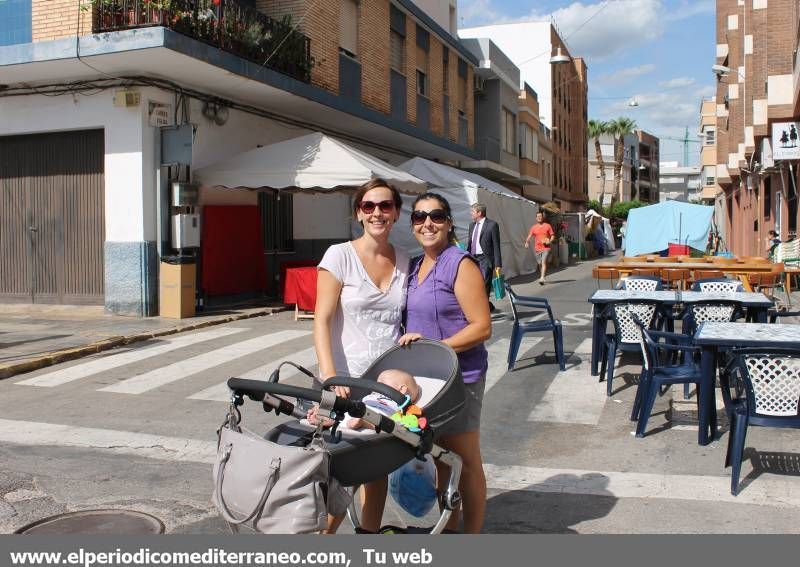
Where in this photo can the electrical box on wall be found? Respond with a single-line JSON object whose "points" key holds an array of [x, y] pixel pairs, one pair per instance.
{"points": [[185, 194], [126, 98], [185, 231]]}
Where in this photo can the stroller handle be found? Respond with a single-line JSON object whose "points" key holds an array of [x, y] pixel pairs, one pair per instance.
{"points": [[256, 390]]}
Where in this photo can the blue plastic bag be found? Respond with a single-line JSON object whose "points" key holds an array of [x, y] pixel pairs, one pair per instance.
{"points": [[413, 486]]}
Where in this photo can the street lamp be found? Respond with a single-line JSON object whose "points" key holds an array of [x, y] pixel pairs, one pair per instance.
{"points": [[720, 70], [559, 57]]}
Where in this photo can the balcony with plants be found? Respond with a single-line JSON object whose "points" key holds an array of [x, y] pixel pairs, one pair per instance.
{"points": [[225, 24]]}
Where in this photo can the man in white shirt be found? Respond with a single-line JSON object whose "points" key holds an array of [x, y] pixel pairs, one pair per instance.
{"points": [[484, 244]]}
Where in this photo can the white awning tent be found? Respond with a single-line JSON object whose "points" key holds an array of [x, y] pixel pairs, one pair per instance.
{"points": [[513, 213], [314, 162]]}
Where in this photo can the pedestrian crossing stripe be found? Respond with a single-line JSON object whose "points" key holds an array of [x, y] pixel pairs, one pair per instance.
{"points": [[221, 393], [115, 360], [184, 368]]}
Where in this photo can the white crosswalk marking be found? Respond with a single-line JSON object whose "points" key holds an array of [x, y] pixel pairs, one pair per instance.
{"points": [[78, 371], [498, 358], [179, 370], [220, 393], [574, 396], [776, 491]]}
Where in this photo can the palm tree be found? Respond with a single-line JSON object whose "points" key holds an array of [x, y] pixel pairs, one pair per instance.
{"points": [[620, 128], [596, 129]]}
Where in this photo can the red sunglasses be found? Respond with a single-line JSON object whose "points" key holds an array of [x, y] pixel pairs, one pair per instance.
{"points": [[367, 207]]}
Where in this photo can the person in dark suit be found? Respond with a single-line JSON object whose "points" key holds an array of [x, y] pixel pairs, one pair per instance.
{"points": [[484, 244]]}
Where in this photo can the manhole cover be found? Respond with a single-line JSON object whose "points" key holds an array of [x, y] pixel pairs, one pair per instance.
{"points": [[96, 522]]}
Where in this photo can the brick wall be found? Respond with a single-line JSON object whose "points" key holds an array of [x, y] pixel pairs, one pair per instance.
{"points": [[320, 22], [373, 53], [55, 19]]}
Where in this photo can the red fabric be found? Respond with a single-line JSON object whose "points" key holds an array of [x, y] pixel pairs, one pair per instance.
{"points": [[232, 252], [301, 287], [678, 250]]}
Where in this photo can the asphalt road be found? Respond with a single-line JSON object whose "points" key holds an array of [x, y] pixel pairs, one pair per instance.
{"points": [[134, 428]]}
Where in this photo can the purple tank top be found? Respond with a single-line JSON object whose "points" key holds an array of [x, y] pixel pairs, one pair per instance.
{"points": [[433, 310]]}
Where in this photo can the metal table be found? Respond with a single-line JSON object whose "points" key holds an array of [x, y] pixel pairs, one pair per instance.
{"points": [[710, 337], [758, 303]]}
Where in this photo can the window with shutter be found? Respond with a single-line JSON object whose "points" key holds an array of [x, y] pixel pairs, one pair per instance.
{"points": [[397, 57], [348, 27]]}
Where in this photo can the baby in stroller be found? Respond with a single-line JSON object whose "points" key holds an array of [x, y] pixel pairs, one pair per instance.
{"points": [[398, 379], [355, 457]]}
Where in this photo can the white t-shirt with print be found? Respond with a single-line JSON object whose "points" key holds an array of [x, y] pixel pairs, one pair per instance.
{"points": [[366, 321]]}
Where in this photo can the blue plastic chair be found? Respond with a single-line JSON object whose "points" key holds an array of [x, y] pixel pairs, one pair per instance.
{"points": [[659, 372], [760, 387], [524, 324], [695, 314], [626, 337]]}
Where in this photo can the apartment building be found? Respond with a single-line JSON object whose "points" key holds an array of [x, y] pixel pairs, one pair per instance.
{"points": [[560, 81], [598, 191], [708, 151], [756, 101], [129, 95], [535, 149], [496, 91], [647, 171], [679, 182]]}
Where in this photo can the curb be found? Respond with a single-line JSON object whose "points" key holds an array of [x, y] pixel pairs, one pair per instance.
{"points": [[54, 357]]}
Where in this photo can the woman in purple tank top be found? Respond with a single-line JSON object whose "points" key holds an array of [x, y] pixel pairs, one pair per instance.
{"points": [[447, 301]]}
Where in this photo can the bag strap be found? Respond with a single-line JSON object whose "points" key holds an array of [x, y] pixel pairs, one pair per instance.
{"points": [[272, 478]]}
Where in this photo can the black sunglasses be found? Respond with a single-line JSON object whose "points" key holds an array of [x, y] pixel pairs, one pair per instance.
{"points": [[367, 207], [438, 216]]}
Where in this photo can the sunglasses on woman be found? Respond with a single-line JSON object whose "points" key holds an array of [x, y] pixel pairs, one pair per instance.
{"points": [[367, 207], [438, 216]]}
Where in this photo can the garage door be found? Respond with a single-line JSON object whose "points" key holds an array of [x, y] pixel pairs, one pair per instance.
{"points": [[52, 226]]}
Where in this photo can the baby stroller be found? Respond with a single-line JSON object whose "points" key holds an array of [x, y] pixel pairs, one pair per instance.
{"points": [[357, 457]]}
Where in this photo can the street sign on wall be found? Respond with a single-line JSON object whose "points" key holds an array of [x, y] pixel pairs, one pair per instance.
{"points": [[785, 143]]}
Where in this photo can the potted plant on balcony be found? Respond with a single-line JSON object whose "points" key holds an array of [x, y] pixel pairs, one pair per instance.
{"points": [[155, 12]]}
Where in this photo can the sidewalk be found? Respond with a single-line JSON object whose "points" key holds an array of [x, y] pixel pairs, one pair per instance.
{"points": [[35, 336]]}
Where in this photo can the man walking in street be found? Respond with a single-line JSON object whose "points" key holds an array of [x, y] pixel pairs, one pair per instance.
{"points": [[484, 244], [543, 235]]}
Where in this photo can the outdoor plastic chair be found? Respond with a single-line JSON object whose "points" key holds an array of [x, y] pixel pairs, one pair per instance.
{"points": [[695, 314], [610, 274], [626, 337], [649, 272], [707, 274], [774, 315], [527, 323], [675, 278], [640, 283], [658, 373], [760, 387], [717, 285]]}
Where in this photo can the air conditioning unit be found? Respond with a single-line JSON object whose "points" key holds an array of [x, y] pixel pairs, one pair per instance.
{"points": [[126, 98], [479, 83]]}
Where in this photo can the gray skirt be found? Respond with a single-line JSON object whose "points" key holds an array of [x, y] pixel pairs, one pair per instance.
{"points": [[469, 418]]}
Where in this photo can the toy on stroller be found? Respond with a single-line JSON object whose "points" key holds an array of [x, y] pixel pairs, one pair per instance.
{"points": [[315, 463]]}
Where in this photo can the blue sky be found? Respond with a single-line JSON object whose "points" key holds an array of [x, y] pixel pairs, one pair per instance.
{"points": [[659, 52]]}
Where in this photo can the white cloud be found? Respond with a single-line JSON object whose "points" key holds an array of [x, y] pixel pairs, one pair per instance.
{"points": [[677, 83], [626, 75], [593, 30], [598, 31], [691, 8]]}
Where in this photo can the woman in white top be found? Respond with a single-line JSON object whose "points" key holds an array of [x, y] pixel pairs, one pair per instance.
{"points": [[361, 291]]}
